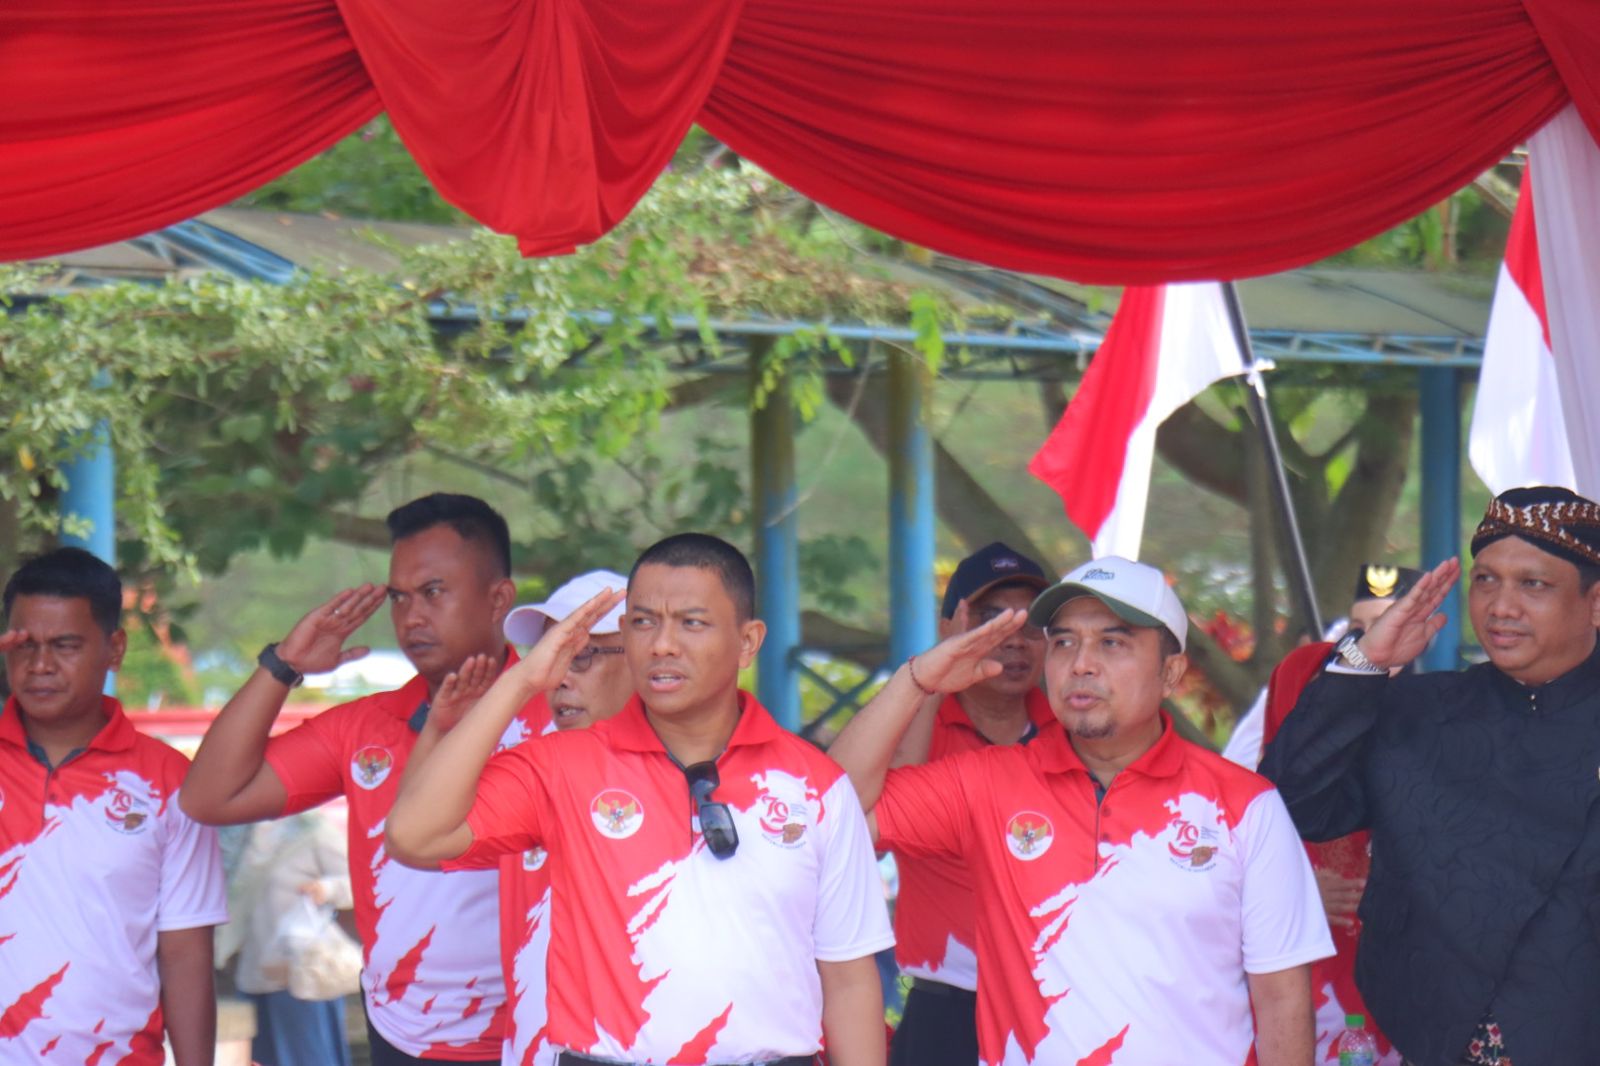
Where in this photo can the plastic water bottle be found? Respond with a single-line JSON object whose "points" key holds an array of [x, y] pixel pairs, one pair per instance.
{"points": [[1356, 1045]]}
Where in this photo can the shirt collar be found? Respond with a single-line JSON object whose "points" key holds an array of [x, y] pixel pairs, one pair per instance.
{"points": [[117, 734], [411, 701], [1578, 684], [630, 729], [1163, 759]]}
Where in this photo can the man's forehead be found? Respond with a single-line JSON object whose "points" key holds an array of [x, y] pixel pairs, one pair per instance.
{"points": [[663, 589], [45, 617], [1006, 595], [1513, 555], [438, 553]]}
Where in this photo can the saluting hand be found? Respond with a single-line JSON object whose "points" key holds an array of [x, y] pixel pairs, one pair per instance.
{"points": [[1403, 631], [460, 690], [13, 639], [316, 643], [546, 662], [960, 661]]}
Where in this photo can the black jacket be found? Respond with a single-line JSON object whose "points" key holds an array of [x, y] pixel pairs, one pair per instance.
{"points": [[1483, 798]]}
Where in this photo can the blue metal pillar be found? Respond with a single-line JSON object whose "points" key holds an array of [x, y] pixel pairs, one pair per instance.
{"points": [[1441, 499], [912, 610], [90, 497], [777, 536]]}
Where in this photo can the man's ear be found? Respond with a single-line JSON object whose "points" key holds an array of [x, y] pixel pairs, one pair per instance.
{"points": [[751, 636], [1172, 670], [119, 647], [502, 597]]}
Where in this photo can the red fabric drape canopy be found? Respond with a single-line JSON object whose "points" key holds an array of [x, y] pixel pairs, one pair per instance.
{"points": [[1122, 141]]}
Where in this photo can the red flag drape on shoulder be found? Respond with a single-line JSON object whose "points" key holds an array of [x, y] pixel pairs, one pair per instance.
{"points": [[1108, 140]]}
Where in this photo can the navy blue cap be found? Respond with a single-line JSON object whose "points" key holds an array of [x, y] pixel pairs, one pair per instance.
{"points": [[994, 564]]}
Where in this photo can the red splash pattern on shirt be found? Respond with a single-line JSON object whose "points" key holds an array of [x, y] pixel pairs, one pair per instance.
{"points": [[1102, 1055], [698, 1048], [8, 880], [405, 971], [29, 1006], [145, 1049]]}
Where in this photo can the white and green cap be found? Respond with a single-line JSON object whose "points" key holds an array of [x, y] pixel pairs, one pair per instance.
{"points": [[1137, 593]]}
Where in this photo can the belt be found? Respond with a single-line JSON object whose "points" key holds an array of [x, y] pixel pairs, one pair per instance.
{"points": [[572, 1058], [939, 988]]}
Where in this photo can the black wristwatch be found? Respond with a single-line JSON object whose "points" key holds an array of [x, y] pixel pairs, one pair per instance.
{"points": [[270, 661]]}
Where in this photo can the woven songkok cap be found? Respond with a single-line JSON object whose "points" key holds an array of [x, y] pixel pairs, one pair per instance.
{"points": [[1553, 519]]}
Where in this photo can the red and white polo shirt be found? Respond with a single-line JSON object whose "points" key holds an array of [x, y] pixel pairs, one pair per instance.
{"points": [[659, 951], [524, 946], [934, 917], [98, 859], [432, 978], [1119, 931]]}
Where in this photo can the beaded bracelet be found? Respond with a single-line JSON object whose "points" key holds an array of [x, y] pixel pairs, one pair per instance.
{"points": [[911, 669]]}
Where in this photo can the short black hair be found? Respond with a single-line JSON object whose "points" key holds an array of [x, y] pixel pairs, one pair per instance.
{"points": [[702, 551], [1169, 644], [470, 517], [1588, 575], [71, 574]]}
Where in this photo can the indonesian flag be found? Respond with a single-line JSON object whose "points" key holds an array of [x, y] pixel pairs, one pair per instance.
{"points": [[1519, 435], [1166, 345]]}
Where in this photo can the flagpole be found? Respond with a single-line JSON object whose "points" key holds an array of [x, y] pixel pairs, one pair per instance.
{"points": [[1304, 588]]}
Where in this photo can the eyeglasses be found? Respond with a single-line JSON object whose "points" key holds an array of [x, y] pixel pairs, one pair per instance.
{"points": [[584, 659], [716, 820]]}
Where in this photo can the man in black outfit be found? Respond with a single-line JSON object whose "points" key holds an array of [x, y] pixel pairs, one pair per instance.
{"points": [[1481, 919]]}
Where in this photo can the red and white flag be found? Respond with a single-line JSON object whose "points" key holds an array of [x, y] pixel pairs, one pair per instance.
{"points": [[1166, 345], [1519, 434]]}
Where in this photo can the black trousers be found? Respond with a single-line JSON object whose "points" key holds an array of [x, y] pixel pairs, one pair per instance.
{"points": [[386, 1054], [939, 1027]]}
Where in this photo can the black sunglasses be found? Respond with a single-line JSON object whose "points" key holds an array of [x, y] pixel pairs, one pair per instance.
{"points": [[716, 820]]}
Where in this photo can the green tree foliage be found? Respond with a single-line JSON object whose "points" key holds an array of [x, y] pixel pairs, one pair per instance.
{"points": [[248, 416], [245, 415], [367, 175]]}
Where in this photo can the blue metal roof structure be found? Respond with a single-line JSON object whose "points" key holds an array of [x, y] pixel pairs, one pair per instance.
{"points": [[1437, 333]]}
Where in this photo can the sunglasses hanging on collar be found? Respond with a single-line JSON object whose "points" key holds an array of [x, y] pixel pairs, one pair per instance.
{"points": [[716, 819]]}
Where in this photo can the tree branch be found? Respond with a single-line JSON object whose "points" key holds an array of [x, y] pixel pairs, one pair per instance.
{"points": [[1204, 452], [708, 388], [1235, 681], [360, 531], [477, 466], [864, 647]]}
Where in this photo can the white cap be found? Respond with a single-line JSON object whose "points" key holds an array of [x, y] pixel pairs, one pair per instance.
{"points": [[1136, 592], [525, 625]]}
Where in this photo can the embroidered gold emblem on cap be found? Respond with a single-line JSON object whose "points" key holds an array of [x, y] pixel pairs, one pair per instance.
{"points": [[1381, 581]]}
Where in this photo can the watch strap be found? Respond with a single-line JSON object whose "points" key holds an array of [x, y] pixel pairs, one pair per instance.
{"points": [[1349, 650], [270, 661]]}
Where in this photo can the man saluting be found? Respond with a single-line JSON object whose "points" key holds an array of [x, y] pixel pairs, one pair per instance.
{"points": [[1481, 928]]}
